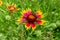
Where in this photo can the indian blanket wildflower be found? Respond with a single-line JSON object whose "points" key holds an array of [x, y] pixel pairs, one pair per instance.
{"points": [[12, 7], [0, 2], [31, 18]]}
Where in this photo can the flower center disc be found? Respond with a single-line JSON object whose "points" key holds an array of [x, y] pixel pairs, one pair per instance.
{"points": [[31, 18]]}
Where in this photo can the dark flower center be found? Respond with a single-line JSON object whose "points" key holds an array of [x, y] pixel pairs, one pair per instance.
{"points": [[31, 18]]}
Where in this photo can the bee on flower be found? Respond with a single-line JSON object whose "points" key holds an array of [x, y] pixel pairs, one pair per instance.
{"points": [[0, 2], [11, 7], [31, 19]]}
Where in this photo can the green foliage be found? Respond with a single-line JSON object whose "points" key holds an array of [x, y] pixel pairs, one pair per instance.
{"points": [[11, 30]]}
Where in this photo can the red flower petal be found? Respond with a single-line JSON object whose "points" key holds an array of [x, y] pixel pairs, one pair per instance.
{"points": [[33, 26], [27, 26], [39, 21], [23, 19], [29, 12], [38, 16], [25, 14]]}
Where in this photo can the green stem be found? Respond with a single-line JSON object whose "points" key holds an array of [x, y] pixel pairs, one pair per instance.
{"points": [[22, 32]]}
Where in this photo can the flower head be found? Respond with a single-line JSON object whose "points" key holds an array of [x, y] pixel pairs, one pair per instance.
{"points": [[31, 19], [12, 7], [0, 2]]}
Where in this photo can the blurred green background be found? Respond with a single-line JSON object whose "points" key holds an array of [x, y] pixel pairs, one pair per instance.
{"points": [[10, 29]]}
